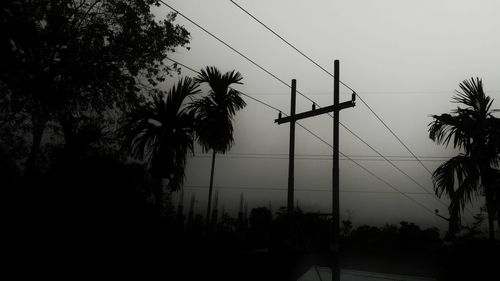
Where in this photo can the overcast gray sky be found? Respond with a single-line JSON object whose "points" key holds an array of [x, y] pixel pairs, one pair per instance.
{"points": [[404, 58]]}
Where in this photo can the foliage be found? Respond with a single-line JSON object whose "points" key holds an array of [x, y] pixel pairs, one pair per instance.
{"points": [[62, 61], [214, 112], [475, 130], [161, 132]]}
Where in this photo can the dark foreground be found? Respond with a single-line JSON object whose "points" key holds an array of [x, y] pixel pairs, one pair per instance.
{"points": [[176, 256], [73, 235]]}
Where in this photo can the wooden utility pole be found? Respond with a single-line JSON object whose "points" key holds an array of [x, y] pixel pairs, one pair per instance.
{"points": [[335, 176], [336, 107], [291, 158]]}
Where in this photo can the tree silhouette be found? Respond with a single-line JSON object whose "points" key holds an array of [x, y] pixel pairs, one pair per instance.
{"points": [[474, 130], [161, 131], [61, 60], [214, 115]]}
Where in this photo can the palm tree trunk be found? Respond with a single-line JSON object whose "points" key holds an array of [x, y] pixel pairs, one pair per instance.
{"points": [[491, 213], [210, 189], [453, 221]]}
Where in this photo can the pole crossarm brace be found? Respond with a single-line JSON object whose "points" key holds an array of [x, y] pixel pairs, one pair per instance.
{"points": [[315, 112]]}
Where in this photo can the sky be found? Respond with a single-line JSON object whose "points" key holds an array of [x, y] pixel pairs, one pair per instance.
{"points": [[403, 58]]}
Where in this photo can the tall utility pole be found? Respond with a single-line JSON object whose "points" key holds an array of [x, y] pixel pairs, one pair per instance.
{"points": [[335, 175], [291, 158], [336, 108]]}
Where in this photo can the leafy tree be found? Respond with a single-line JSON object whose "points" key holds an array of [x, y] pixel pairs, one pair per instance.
{"points": [[64, 60], [471, 173], [161, 131], [214, 115]]}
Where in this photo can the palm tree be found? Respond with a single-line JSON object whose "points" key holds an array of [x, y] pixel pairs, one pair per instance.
{"points": [[214, 115], [474, 130], [161, 131]]}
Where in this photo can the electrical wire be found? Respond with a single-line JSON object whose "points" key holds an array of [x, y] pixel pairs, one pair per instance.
{"points": [[231, 187], [330, 74], [322, 140], [395, 158], [283, 82], [362, 100], [437, 158]]}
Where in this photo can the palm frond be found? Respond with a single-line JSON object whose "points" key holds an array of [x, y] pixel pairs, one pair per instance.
{"points": [[462, 168], [472, 95], [210, 75], [234, 101], [446, 127], [214, 112], [233, 77], [466, 172], [177, 95], [217, 81], [160, 132]]}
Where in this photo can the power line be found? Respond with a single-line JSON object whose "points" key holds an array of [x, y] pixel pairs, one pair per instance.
{"points": [[230, 156], [300, 189], [386, 182], [395, 166], [327, 155], [236, 51], [347, 86], [401, 93], [289, 44], [274, 76], [248, 96], [224, 43], [346, 156], [352, 160], [345, 127], [362, 100]]}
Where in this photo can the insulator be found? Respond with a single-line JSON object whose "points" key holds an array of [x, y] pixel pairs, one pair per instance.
{"points": [[313, 106], [279, 115], [353, 98]]}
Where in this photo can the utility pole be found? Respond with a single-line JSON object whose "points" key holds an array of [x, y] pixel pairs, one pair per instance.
{"points": [[336, 108], [291, 158], [335, 175]]}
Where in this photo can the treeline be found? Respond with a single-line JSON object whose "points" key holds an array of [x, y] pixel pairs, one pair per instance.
{"points": [[310, 232], [405, 248]]}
